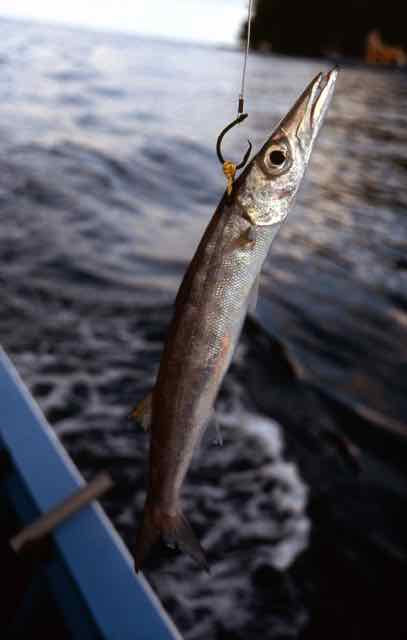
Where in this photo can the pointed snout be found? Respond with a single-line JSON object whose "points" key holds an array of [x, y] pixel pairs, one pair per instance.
{"points": [[305, 118]]}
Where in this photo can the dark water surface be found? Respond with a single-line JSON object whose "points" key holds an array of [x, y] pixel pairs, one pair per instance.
{"points": [[108, 177]]}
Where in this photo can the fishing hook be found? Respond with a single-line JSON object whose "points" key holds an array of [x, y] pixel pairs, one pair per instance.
{"points": [[222, 134]]}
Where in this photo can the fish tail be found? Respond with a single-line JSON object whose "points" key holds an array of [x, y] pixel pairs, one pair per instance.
{"points": [[174, 530]]}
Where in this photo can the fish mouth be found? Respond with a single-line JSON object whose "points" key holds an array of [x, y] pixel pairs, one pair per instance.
{"points": [[305, 118], [324, 92]]}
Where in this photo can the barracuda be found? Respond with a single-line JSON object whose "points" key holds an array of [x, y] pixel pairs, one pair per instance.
{"points": [[218, 287]]}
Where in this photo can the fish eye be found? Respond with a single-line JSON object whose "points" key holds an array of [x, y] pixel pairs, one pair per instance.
{"points": [[277, 159]]}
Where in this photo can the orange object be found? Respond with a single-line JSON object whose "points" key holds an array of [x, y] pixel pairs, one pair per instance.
{"points": [[378, 52]]}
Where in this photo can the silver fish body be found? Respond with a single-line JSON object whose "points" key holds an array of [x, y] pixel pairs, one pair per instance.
{"points": [[210, 309]]}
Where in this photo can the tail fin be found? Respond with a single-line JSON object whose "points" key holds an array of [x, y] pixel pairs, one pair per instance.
{"points": [[174, 530]]}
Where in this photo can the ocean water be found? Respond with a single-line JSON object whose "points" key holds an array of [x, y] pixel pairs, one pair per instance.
{"points": [[108, 176]]}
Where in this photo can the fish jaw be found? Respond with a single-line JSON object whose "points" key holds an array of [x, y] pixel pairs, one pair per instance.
{"points": [[266, 190]]}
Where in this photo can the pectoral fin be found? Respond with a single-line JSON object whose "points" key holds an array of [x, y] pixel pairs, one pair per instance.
{"points": [[142, 413], [248, 237], [246, 240]]}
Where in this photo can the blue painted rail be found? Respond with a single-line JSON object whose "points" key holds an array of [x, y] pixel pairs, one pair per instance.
{"points": [[91, 576]]}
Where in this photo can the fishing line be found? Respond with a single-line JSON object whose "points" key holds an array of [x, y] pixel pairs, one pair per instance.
{"points": [[230, 168], [245, 59]]}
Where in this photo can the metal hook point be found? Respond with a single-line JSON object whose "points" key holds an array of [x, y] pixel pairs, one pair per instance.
{"points": [[246, 156], [222, 134]]}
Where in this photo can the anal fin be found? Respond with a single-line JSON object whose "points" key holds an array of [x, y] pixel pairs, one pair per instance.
{"points": [[212, 434]]}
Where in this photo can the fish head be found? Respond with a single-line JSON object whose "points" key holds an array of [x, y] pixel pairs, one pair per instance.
{"points": [[269, 184]]}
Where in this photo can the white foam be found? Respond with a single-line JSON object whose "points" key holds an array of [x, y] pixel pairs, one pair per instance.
{"points": [[289, 534]]}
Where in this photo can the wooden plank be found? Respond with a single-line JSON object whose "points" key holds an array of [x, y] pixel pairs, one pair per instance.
{"points": [[33, 533], [121, 603]]}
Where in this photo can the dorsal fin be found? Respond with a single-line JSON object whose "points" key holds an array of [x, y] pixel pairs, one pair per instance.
{"points": [[142, 413]]}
